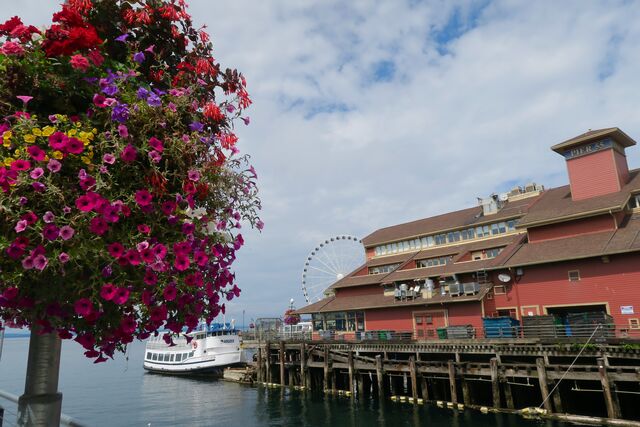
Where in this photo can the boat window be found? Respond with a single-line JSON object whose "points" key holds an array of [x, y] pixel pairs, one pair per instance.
{"points": [[178, 357], [154, 356], [148, 355], [191, 354], [166, 357], [171, 358]]}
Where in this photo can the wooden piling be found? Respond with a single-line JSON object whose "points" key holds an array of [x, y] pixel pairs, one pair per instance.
{"points": [[613, 410], [414, 379], [423, 388], [379, 377], [452, 381], [351, 371], [259, 366], [495, 385], [326, 368], [508, 395], [282, 364], [360, 380], [557, 400], [303, 365], [544, 386], [268, 361], [466, 390]]}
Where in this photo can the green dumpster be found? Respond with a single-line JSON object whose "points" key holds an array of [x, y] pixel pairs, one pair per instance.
{"points": [[442, 333]]}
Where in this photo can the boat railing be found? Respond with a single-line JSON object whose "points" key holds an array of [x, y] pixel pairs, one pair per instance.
{"points": [[12, 410]]}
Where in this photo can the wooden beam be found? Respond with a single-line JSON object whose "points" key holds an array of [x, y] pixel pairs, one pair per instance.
{"points": [[282, 364], [613, 409], [544, 386], [350, 362], [326, 368], [466, 389], [423, 388], [557, 400], [414, 379], [303, 365], [259, 365], [379, 377], [495, 386], [268, 361], [452, 381]]}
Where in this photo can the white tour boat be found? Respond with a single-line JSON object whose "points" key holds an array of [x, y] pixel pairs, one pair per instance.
{"points": [[210, 350]]}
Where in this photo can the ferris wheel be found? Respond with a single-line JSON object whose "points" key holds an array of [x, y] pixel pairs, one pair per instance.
{"points": [[329, 262]]}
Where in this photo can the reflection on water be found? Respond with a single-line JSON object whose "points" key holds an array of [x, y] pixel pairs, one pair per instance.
{"points": [[120, 393]]}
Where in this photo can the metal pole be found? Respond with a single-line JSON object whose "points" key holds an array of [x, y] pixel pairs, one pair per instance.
{"points": [[41, 403]]}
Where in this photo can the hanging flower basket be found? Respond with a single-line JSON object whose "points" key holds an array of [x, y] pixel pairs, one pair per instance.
{"points": [[122, 187]]}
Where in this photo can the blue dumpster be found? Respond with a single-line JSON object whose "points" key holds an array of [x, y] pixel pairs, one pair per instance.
{"points": [[500, 327]]}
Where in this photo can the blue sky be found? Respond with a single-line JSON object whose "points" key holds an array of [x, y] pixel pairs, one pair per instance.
{"points": [[370, 113]]}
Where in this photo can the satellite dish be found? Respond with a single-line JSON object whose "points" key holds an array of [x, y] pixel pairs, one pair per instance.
{"points": [[503, 197], [504, 277]]}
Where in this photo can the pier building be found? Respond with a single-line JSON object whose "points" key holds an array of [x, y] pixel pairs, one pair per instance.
{"points": [[530, 252]]}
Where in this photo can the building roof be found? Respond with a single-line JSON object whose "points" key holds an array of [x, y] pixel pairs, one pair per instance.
{"points": [[446, 222], [624, 239], [360, 302], [556, 204], [595, 135]]}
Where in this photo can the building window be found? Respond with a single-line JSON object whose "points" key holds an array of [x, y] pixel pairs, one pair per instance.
{"points": [[418, 320], [634, 323], [388, 268], [433, 262], [490, 294], [499, 290], [574, 275], [634, 203]]}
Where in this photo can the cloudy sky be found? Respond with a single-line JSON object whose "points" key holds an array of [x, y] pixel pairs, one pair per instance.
{"points": [[372, 113]]}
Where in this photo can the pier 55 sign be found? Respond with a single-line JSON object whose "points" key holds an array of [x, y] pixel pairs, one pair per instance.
{"points": [[588, 149]]}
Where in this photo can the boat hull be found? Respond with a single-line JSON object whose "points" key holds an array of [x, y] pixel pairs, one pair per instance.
{"points": [[206, 365]]}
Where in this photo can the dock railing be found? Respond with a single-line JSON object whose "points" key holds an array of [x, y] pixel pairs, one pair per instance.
{"points": [[9, 413], [605, 332]]}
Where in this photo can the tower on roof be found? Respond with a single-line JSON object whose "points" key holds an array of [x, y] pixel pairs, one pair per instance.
{"points": [[596, 162]]}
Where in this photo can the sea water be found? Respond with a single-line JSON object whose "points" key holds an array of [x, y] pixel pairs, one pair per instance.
{"points": [[120, 393]]}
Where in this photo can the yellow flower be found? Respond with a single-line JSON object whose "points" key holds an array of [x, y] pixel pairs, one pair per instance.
{"points": [[7, 135], [72, 132], [48, 130], [94, 131], [29, 138], [85, 160], [58, 155], [8, 161], [36, 131], [18, 152]]}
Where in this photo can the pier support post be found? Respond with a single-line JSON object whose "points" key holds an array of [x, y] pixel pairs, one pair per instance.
{"points": [[423, 388], [267, 360], [303, 365], [326, 368], [350, 361], [495, 385], [259, 365], [414, 379], [466, 391], [544, 385], [613, 409], [379, 377], [508, 395], [452, 381], [360, 380], [282, 364], [557, 400]]}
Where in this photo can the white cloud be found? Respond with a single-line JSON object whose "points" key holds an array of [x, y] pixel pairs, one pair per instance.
{"points": [[338, 152]]}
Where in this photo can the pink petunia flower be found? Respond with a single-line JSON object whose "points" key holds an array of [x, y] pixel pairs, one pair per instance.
{"points": [[129, 154], [181, 263], [79, 62], [21, 226], [25, 99], [75, 146], [20, 165], [143, 197], [170, 292], [36, 153], [48, 217], [156, 144], [66, 232], [121, 296], [54, 166], [115, 249], [50, 232], [98, 226], [63, 257], [85, 203], [154, 156], [132, 256], [108, 291], [193, 175], [83, 308], [123, 131], [36, 173], [40, 262], [11, 48], [109, 159], [58, 141]]}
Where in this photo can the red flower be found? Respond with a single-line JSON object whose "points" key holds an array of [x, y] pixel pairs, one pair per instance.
{"points": [[212, 112], [170, 293], [121, 296], [10, 25], [115, 249], [85, 203], [143, 197], [98, 226], [20, 165], [108, 291], [75, 146], [129, 154], [83, 307], [58, 141], [181, 262], [79, 62], [132, 256]]}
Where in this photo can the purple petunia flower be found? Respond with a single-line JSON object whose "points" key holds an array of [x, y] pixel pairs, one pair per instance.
{"points": [[138, 57], [48, 217], [40, 262], [63, 257], [66, 232], [142, 93], [54, 166], [122, 38], [109, 159], [196, 126], [120, 113], [110, 90]]}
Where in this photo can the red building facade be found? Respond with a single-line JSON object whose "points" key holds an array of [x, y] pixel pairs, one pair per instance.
{"points": [[570, 249]]}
